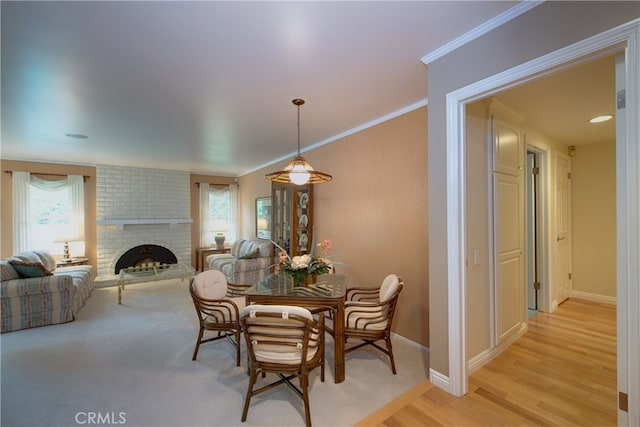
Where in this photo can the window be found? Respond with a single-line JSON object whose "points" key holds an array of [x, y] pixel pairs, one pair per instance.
{"points": [[50, 215], [218, 212], [47, 213], [219, 215]]}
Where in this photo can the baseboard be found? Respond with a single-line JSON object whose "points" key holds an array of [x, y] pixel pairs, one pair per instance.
{"points": [[440, 380], [593, 297], [486, 356], [410, 342]]}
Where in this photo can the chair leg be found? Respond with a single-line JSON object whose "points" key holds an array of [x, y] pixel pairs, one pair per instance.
{"points": [[393, 363], [247, 400], [304, 385], [237, 347], [195, 351]]}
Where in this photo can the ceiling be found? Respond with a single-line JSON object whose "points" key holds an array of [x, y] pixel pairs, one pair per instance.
{"points": [[207, 86], [561, 104]]}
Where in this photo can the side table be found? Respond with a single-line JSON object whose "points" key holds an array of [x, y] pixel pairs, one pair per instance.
{"points": [[203, 253], [72, 261]]}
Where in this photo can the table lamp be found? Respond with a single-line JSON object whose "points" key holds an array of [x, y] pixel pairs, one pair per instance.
{"points": [[219, 227], [66, 236]]}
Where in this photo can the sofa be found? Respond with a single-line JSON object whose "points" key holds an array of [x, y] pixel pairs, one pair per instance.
{"points": [[36, 293], [247, 263]]}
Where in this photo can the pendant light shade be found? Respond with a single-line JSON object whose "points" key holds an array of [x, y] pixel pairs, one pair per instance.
{"points": [[299, 171]]}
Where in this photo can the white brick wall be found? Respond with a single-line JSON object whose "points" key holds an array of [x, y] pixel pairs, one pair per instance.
{"points": [[139, 193]]}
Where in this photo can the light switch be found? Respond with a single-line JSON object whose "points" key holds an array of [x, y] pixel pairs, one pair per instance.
{"points": [[476, 257]]}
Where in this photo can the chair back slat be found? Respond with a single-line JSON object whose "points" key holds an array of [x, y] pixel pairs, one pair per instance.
{"points": [[270, 335]]}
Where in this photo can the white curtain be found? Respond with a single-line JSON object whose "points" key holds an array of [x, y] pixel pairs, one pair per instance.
{"points": [[48, 184], [22, 182], [76, 203], [232, 235], [205, 227], [21, 211]]}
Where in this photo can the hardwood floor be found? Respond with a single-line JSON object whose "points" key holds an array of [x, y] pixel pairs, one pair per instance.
{"points": [[562, 372]]}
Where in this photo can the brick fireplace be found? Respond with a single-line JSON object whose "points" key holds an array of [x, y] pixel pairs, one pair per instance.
{"points": [[137, 207]]}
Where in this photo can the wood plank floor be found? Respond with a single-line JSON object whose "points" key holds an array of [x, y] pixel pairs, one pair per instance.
{"points": [[562, 372]]}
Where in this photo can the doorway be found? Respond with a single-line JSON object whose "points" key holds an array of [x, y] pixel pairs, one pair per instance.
{"points": [[533, 205], [626, 202]]}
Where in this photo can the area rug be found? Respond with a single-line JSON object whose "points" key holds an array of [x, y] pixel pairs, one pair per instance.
{"points": [[131, 365]]}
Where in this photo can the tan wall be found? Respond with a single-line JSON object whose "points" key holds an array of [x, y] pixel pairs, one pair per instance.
{"points": [[252, 186], [593, 205], [375, 210], [48, 168], [514, 43]]}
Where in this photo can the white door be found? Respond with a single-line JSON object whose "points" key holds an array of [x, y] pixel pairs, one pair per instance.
{"points": [[508, 226], [562, 228]]}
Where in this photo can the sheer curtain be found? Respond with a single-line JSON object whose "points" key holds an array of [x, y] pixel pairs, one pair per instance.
{"points": [[232, 234], [205, 227], [76, 204], [21, 211], [22, 182]]}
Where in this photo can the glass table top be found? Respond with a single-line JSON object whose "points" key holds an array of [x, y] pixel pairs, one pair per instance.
{"points": [[326, 286]]}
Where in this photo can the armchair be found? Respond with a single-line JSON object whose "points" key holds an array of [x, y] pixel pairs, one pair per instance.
{"points": [[284, 340], [218, 307], [369, 314]]}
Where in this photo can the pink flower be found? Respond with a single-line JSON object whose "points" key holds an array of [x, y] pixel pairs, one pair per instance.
{"points": [[283, 257], [325, 245]]}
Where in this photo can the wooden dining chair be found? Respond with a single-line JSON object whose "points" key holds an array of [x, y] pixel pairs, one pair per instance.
{"points": [[286, 341], [369, 314], [218, 307]]}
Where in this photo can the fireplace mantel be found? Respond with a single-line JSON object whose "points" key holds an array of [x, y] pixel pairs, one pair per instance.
{"points": [[120, 223]]}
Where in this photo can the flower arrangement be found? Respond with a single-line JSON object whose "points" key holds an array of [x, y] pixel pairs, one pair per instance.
{"points": [[301, 266]]}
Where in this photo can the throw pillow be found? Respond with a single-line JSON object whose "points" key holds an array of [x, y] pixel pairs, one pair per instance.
{"points": [[253, 254], [30, 269], [7, 272], [46, 258], [235, 248]]}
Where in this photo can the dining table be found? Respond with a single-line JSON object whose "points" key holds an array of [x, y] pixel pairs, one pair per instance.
{"points": [[328, 292]]}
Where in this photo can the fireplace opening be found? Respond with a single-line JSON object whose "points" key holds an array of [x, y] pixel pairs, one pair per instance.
{"points": [[145, 255]]}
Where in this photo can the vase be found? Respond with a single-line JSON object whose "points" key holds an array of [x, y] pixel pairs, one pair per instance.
{"points": [[219, 241], [310, 279]]}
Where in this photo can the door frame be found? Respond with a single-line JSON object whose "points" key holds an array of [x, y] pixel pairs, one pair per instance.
{"points": [[625, 37], [541, 220]]}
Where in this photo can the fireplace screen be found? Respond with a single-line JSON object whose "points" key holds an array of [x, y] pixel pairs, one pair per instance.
{"points": [[145, 255]]}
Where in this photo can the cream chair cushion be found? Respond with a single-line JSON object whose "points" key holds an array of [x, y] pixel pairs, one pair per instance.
{"points": [[362, 315], [210, 284], [389, 287]]}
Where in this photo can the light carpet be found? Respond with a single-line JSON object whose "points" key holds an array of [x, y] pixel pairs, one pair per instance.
{"points": [[131, 365]]}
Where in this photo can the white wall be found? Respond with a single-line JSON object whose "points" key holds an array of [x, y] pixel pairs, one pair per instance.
{"points": [[140, 193]]}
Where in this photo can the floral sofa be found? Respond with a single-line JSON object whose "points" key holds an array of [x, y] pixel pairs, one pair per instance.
{"points": [[247, 263], [36, 293]]}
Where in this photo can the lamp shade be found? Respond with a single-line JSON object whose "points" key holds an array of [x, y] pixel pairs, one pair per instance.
{"points": [[299, 171]]}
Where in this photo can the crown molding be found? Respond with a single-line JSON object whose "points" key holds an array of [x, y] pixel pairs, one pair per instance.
{"points": [[481, 30]]}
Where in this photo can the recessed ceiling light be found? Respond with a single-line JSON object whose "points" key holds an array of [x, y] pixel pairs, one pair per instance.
{"points": [[76, 135], [600, 119]]}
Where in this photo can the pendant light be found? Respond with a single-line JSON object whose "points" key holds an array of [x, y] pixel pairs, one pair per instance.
{"points": [[299, 171]]}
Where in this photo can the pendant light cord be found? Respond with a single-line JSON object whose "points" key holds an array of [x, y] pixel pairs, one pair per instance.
{"points": [[298, 129]]}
